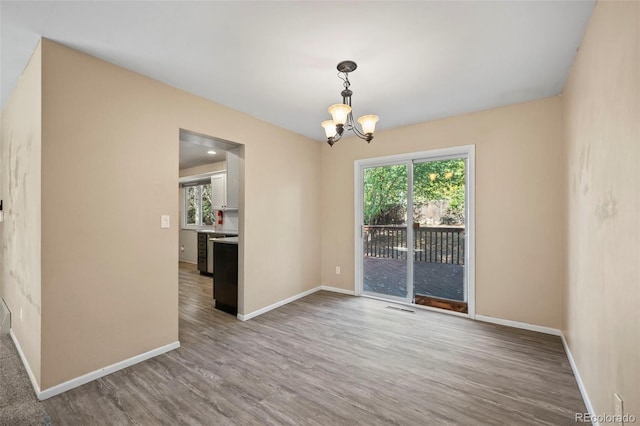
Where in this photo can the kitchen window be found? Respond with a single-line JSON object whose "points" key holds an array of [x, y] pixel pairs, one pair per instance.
{"points": [[197, 209]]}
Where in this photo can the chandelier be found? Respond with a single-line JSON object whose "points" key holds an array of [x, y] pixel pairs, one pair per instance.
{"points": [[341, 114]]}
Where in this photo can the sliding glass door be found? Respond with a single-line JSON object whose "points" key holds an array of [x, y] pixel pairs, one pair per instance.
{"points": [[439, 194], [413, 243], [384, 231]]}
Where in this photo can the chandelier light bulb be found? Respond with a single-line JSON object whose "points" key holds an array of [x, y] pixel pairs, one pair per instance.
{"points": [[329, 128], [339, 113], [368, 123]]}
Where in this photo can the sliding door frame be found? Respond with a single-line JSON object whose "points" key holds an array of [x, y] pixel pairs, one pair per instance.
{"points": [[467, 152]]}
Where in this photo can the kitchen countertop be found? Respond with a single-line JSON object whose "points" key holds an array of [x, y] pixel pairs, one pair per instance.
{"points": [[225, 240], [211, 231]]}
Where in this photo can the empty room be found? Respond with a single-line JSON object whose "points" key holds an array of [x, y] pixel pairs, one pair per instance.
{"points": [[320, 213]]}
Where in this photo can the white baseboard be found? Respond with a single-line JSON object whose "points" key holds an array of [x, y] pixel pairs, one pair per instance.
{"points": [[522, 325], [187, 261], [86, 378], [277, 304], [581, 386], [337, 290], [293, 298], [27, 367], [89, 377], [554, 332]]}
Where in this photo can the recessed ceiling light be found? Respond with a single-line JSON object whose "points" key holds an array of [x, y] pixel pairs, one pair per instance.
{"points": [[211, 152]]}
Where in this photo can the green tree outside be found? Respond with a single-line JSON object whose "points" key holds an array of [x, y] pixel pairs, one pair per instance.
{"points": [[199, 201], [385, 190]]}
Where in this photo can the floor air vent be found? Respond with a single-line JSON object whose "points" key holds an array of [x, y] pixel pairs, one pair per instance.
{"points": [[401, 309]]}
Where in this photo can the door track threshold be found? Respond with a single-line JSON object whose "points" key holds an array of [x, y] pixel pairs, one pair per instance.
{"points": [[400, 309]]}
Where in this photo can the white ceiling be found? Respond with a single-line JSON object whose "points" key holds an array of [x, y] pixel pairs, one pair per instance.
{"points": [[194, 149], [417, 61]]}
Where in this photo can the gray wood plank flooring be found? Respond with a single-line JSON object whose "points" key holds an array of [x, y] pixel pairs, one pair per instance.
{"points": [[330, 359]]}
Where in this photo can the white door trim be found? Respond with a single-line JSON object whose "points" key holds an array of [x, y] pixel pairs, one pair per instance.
{"points": [[465, 151]]}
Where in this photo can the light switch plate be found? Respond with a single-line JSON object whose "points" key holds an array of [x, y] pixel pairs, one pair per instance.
{"points": [[164, 221]]}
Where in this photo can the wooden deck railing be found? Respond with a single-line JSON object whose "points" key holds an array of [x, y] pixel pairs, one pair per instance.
{"points": [[431, 244]]}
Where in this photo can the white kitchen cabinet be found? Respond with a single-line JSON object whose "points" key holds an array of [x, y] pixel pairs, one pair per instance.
{"points": [[225, 186], [219, 191], [233, 179]]}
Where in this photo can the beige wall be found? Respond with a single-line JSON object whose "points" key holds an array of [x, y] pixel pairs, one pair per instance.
{"points": [[520, 240], [111, 138], [20, 153], [601, 110], [205, 168]]}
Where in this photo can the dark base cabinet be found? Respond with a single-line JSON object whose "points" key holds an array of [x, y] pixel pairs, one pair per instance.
{"points": [[225, 281], [202, 252]]}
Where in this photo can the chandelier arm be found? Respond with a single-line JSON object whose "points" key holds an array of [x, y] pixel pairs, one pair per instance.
{"points": [[358, 132], [350, 124]]}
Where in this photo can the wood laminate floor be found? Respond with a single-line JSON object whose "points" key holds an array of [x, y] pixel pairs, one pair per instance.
{"points": [[330, 359]]}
